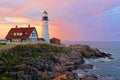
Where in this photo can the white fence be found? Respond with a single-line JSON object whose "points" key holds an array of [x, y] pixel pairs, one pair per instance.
{"points": [[3, 40]]}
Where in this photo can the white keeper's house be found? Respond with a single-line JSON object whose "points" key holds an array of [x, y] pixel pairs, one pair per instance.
{"points": [[29, 34], [22, 35]]}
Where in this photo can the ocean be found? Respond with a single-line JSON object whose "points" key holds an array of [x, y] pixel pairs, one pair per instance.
{"points": [[103, 66]]}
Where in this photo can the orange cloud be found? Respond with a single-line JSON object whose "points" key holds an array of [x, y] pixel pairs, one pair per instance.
{"points": [[16, 20], [68, 19]]}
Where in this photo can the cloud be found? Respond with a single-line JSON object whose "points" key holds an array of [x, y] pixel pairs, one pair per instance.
{"points": [[34, 14], [16, 20], [12, 3], [69, 19]]}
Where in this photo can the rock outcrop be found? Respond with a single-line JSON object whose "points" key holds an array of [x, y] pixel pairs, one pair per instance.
{"points": [[88, 52]]}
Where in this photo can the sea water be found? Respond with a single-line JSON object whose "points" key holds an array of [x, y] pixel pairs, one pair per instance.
{"points": [[104, 66]]}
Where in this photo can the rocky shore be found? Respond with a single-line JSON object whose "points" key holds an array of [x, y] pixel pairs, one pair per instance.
{"points": [[88, 52], [48, 62]]}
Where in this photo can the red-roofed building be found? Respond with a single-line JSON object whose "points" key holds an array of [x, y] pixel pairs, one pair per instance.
{"points": [[22, 35]]}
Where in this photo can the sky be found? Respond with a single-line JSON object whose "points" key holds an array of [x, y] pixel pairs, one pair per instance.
{"points": [[74, 20]]}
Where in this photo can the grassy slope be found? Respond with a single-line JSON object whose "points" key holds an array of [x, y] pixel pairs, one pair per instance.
{"points": [[23, 53], [6, 46]]}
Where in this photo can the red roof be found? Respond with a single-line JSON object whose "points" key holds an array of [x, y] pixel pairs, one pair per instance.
{"points": [[23, 33], [41, 39]]}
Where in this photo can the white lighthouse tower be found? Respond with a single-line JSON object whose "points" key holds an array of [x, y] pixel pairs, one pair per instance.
{"points": [[45, 30]]}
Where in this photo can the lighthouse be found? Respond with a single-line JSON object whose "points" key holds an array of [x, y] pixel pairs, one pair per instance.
{"points": [[45, 29]]}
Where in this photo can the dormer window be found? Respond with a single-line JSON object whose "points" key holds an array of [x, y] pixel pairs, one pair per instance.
{"points": [[15, 34], [20, 34]]}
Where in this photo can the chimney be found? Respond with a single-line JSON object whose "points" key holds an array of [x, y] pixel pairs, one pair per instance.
{"points": [[29, 26], [16, 26]]}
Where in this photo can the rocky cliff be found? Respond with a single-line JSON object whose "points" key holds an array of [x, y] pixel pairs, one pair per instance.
{"points": [[46, 62]]}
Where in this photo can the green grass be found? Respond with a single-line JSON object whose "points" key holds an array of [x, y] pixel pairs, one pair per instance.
{"points": [[41, 47], [6, 46]]}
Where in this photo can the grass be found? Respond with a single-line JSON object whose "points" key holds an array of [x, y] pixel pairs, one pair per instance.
{"points": [[12, 55], [6, 46], [41, 47]]}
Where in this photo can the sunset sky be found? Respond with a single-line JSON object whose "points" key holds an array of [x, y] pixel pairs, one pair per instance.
{"points": [[85, 20]]}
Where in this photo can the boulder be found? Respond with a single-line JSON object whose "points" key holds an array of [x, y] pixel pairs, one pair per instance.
{"points": [[89, 77], [86, 66], [67, 76]]}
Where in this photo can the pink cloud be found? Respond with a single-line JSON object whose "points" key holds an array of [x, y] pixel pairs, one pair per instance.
{"points": [[69, 19]]}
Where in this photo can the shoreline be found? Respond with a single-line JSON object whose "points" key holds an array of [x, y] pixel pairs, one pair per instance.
{"points": [[94, 69]]}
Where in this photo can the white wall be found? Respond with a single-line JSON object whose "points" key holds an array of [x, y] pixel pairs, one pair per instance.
{"points": [[45, 31], [3, 40], [33, 36]]}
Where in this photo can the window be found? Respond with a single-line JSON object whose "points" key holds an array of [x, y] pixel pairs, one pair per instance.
{"points": [[33, 34], [20, 34], [15, 34]]}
